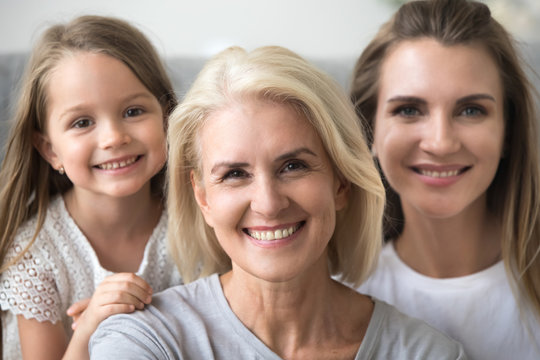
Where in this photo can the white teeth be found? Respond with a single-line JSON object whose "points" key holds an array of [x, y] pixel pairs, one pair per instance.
{"points": [[441, 174], [273, 235], [117, 165]]}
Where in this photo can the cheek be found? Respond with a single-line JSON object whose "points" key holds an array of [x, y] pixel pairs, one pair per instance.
{"points": [[157, 142], [391, 145], [226, 208]]}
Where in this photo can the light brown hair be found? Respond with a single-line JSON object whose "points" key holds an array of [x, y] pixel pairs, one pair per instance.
{"points": [[514, 194], [27, 181]]}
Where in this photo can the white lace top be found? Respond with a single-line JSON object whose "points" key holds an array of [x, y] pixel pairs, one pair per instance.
{"points": [[62, 268]]}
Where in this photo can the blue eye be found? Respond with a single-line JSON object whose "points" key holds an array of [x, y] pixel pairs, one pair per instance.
{"points": [[472, 111], [82, 123], [133, 112], [407, 111]]}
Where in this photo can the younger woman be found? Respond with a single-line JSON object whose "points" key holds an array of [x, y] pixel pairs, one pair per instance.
{"points": [[81, 188], [454, 132]]}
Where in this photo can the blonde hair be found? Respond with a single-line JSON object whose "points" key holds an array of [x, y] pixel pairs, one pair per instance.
{"points": [[514, 194], [278, 75], [27, 181]]}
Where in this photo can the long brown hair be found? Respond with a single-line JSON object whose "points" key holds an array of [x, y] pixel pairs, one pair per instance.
{"points": [[27, 181], [514, 194]]}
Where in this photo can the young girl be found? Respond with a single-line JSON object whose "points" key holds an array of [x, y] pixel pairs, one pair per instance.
{"points": [[454, 131], [81, 207]]}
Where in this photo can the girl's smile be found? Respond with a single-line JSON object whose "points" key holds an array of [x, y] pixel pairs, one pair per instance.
{"points": [[104, 127]]}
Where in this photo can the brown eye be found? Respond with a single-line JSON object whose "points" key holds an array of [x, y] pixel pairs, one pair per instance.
{"points": [[82, 123], [133, 112]]}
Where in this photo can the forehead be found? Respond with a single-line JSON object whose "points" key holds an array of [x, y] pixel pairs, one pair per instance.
{"points": [[422, 65], [255, 125]]}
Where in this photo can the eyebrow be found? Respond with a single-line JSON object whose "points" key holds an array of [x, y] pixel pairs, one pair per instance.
{"points": [[288, 155], [465, 99], [407, 99], [475, 97]]}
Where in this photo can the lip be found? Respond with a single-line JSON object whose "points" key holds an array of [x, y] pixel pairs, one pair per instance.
{"points": [[273, 236], [118, 164], [440, 175]]}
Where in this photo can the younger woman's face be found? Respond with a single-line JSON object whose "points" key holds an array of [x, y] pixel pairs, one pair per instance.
{"points": [[104, 127], [439, 127]]}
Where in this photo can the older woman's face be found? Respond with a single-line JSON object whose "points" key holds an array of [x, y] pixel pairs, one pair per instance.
{"points": [[268, 189]]}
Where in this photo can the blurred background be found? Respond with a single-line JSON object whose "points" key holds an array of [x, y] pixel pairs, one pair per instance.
{"points": [[330, 33]]}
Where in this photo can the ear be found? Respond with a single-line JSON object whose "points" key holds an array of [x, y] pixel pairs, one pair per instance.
{"points": [[342, 191], [44, 146], [200, 196]]}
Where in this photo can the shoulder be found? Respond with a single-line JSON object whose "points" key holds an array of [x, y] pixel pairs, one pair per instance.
{"points": [[177, 323], [393, 333]]}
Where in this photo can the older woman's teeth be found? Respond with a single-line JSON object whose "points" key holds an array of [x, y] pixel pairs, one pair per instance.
{"points": [[439, 174], [117, 165], [273, 235]]}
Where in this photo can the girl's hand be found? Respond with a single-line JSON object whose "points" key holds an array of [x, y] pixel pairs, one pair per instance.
{"points": [[76, 310], [118, 293]]}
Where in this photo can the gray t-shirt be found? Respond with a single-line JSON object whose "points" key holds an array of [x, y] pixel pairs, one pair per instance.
{"points": [[194, 321]]}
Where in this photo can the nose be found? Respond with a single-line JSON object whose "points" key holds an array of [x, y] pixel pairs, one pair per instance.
{"points": [[113, 134], [439, 137], [267, 199]]}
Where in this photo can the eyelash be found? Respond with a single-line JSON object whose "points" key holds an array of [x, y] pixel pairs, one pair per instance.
{"points": [[479, 111], [77, 123], [289, 166], [234, 174], [140, 111], [298, 165], [400, 111]]}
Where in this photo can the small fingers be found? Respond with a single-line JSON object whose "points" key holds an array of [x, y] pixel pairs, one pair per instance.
{"points": [[78, 307], [126, 283]]}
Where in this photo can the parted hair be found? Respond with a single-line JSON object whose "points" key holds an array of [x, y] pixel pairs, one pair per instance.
{"points": [[27, 181], [279, 76], [514, 194]]}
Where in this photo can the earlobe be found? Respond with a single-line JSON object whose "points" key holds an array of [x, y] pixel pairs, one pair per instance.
{"points": [[43, 145], [200, 196]]}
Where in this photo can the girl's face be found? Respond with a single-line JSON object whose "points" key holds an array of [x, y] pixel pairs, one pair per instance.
{"points": [[268, 190], [103, 126], [439, 127]]}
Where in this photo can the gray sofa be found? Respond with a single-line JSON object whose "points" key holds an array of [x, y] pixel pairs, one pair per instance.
{"points": [[181, 70]]}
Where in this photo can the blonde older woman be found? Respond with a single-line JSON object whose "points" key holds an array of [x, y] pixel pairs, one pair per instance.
{"points": [[272, 190]]}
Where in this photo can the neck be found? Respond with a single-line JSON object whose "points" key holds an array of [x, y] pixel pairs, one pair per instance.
{"points": [[295, 317], [116, 228], [451, 247]]}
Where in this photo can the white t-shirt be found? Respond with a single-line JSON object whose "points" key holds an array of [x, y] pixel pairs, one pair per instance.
{"points": [[478, 310], [195, 321], [62, 268]]}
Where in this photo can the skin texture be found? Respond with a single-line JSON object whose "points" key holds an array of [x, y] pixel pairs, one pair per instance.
{"points": [[439, 137], [107, 131], [264, 168]]}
